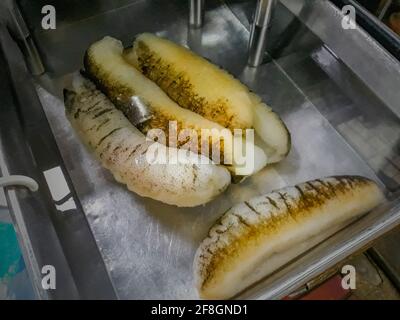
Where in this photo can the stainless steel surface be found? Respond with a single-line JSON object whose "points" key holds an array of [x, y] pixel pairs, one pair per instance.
{"points": [[148, 247], [365, 122], [68, 12], [196, 13], [263, 12], [325, 20], [259, 31], [51, 229], [328, 253], [27, 44], [361, 9], [88, 21]]}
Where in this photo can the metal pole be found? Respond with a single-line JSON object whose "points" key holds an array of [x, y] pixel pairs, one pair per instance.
{"points": [[259, 30], [196, 13]]}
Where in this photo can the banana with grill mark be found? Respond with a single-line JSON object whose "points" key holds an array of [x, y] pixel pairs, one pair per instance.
{"points": [[123, 150], [112, 74], [202, 87], [257, 237]]}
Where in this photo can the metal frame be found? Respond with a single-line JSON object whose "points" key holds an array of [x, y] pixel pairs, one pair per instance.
{"points": [[324, 19], [47, 236]]}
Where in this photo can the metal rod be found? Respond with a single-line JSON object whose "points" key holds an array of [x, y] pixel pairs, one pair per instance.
{"points": [[196, 13], [259, 29]]}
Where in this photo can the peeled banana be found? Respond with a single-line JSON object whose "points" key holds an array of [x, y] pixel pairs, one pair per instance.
{"points": [[256, 237], [125, 151], [106, 66], [202, 87]]}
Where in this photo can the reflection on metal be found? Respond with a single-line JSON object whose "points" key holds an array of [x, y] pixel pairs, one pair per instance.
{"points": [[324, 19], [25, 41], [196, 13], [259, 30], [195, 39], [249, 76], [139, 111]]}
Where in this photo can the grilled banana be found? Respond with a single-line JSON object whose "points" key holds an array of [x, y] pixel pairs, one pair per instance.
{"points": [[105, 65], [200, 86], [256, 237], [125, 151]]}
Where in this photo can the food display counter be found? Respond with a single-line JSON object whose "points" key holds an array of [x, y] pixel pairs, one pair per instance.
{"points": [[335, 88]]}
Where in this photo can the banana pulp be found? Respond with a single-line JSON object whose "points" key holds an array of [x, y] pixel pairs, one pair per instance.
{"points": [[204, 88], [119, 80]]}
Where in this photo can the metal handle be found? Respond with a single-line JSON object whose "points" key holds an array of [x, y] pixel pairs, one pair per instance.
{"points": [[259, 30], [16, 180]]}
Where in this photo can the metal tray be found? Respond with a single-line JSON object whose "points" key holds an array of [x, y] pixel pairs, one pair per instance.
{"points": [[148, 247]]}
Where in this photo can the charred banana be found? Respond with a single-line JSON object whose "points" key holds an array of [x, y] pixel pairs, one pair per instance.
{"points": [[105, 65], [204, 88], [124, 150], [256, 237]]}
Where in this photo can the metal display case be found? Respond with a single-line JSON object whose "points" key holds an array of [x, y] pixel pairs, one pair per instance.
{"points": [[336, 89]]}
